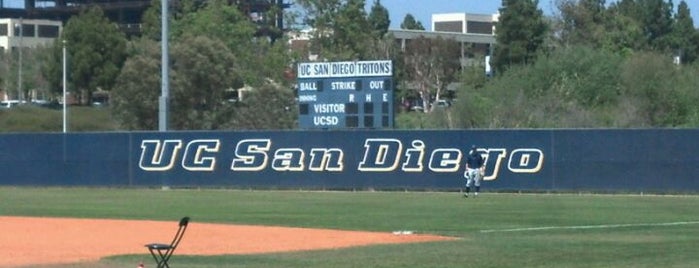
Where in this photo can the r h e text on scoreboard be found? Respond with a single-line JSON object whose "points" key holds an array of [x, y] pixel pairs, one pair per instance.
{"points": [[347, 94]]}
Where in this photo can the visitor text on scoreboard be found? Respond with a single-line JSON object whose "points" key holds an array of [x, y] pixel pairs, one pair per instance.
{"points": [[347, 94]]}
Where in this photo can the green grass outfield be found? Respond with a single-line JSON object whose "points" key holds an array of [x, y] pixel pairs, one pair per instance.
{"points": [[496, 230]]}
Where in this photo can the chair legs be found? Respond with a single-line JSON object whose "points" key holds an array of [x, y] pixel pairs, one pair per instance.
{"points": [[161, 258]]}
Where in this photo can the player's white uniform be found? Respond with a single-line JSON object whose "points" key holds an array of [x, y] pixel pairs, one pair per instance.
{"points": [[473, 176]]}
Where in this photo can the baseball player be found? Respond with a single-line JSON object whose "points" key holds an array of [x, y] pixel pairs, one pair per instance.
{"points": [[474, 170]]}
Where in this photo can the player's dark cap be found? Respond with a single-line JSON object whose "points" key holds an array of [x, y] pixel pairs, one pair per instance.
{"points": [[474, 147]]}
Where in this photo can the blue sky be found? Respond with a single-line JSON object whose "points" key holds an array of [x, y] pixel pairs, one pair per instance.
{"points": [[422, 10]]}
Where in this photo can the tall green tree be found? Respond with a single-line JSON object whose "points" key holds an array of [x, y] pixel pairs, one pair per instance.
{"points": [[382, 45], [340, 28], [629, 8], [410, 23], [591, 23], [349, 31], [622, 34], [658, 23], [134, 99], [379, 19], [583, 21], [520, 33], [685, 37], [202, 69], [221, 20], [246, 59], [151, 20], [96, 51], [654, 17]]}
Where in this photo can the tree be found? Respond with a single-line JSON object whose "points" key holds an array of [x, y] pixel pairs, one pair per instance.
{"points": [[409, 23], [96, 51], [220, 20], [379, 20], [33, 79], [269, 106], [520, 33], [431, 64], [658, 95], [202, 70], [655, 19], [349, 32], [5, 64], [583, 21], [591, 23], [684, 35], [134, 99], [320, 16], [382, 46], [151, 20], [202, 91], [623, 34], [340, 28]]}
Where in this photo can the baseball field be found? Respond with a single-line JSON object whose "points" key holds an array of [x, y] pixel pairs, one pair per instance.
{"points": [[246, 228]]}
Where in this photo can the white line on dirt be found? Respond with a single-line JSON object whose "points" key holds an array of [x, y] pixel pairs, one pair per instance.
{"points": [[602, 226]]}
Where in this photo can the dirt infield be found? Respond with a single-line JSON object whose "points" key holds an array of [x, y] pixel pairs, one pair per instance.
{"points": [[36, 241]]}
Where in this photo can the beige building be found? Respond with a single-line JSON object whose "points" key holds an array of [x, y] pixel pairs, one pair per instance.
{"points": [[465, 23], [475, 33], [16, 33], [468, 24], [27, 33]]}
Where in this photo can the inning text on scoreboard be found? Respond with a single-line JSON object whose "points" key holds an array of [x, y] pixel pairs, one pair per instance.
{"points": [[348, 94]]}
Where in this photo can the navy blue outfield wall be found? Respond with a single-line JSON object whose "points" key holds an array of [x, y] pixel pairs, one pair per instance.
{"points": [[626, 160]]}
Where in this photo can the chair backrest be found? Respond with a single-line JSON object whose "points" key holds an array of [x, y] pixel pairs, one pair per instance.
{"points": [[180, 232], [184, 221]]}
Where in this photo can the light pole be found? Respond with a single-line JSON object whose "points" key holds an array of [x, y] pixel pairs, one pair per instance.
{"points": [[164, 87], [65, 82], [19, 71]]}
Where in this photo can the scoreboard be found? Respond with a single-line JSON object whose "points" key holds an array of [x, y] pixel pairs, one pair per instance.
{"points": [[348, 94]]}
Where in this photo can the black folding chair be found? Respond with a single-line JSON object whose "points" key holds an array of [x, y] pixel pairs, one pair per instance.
{"points": [[162, 252]]}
